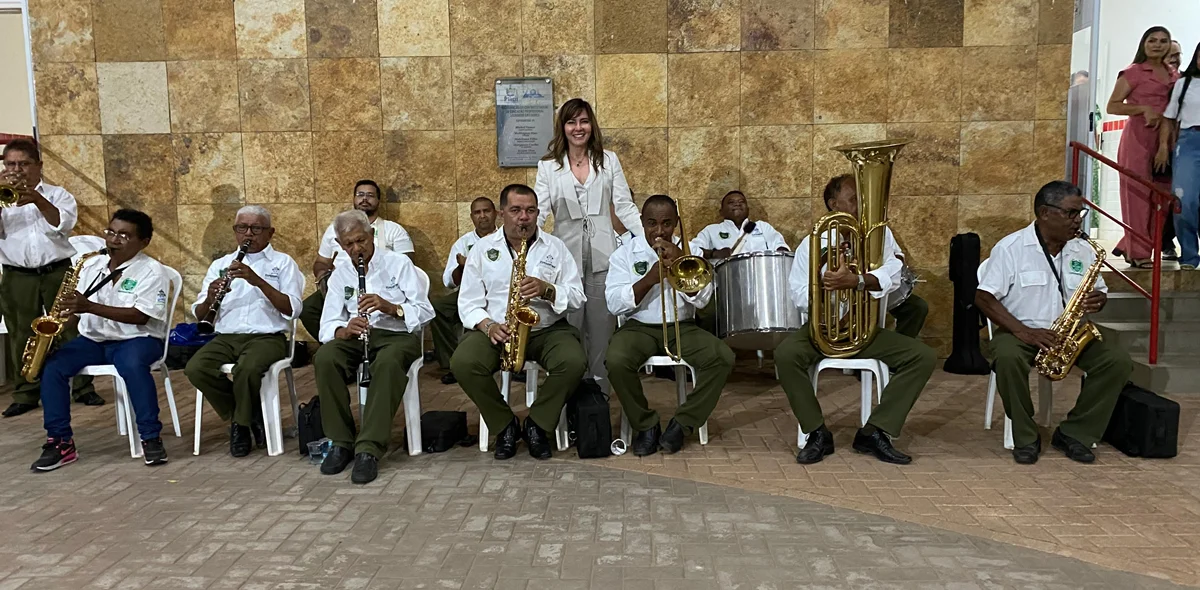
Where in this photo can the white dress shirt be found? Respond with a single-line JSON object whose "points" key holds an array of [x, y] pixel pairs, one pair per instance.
{"points": [[888, 273], [584, 207], [390, 275], [142, 285], [488, 273], [624, 238], [1188, 116], [763, 238], [1020, 278], [27, 240], [245, 309], [462, 246], [628, 265], [389, 235]]}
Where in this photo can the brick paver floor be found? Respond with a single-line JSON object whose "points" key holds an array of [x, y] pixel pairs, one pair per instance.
{"points": [[738, 513]]}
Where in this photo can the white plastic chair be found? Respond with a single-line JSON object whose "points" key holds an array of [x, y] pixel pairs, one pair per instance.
{"points": [[268, 394], [682, 370], [126, 424], [412, 392], [3, 352], [561, 437]]}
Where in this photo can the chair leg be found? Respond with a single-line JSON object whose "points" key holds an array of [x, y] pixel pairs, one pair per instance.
{"points": [[681, 383], [135, 449], [171, 401], [196, 429], [560, 432], [1008, 439], [531, 385], [867, 388], [1045, 400], [412, 410], [268, 395], [801, 437], [120, 416], [991, 401], [483, 428], [626, 430], [760, 359], [291, 381]]}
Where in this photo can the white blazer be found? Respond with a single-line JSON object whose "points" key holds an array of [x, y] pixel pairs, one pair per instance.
{"points": [[555, 188]]}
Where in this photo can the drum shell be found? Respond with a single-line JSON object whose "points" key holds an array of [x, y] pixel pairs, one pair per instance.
{"points": [[754, 305]]}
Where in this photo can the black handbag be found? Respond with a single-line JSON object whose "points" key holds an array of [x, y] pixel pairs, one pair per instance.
{"points": [[444, 430], [308, 424], [589, 423], [1144, 424]]}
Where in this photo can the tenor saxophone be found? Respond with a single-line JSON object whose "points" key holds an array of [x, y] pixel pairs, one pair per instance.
{"points": [[47, 328], [1072, 330], [519, 318]]}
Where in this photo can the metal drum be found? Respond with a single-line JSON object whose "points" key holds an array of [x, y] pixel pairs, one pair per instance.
{"points": [[754, 308]]}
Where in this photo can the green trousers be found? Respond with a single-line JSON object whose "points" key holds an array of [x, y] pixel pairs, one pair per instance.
{"points": [[447, 327], [24, 296], [1107, 368], [310, 314], [336, 363], [911, 360], [251, 355], [910, 316], [706, 317], [635, 342], [555, 348]]}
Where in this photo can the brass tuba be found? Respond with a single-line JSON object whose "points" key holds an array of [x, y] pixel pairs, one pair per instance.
{"points": [[688, 274], [842, 323], [48, 327], [519, 318]]}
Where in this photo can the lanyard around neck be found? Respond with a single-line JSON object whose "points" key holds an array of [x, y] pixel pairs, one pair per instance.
{"points": [[1050, 260]]}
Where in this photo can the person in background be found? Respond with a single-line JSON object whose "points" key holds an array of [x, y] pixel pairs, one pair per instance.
{"points": [[1174, 58], [717, 240], [1182, 121], [447, 326]]}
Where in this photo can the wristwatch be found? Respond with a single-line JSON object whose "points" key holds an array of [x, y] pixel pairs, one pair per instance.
{"points": [[549, 294], [399, 312], [862, 283]]}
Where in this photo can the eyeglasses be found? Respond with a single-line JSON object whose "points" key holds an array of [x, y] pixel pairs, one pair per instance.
{"points": [[365, 194], [253, 230], [119, 236], [1072, 213]]}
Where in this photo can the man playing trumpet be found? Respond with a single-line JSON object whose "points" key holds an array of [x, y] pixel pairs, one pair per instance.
{"points": [[552, 287], [258, 297]]}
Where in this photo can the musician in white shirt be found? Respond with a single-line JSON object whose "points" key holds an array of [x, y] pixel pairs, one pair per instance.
{"points": [[395, 303], [121, 303], [258, 297], [35, 253], [553, 288], [911, 360], [633, 290], [717, 240], [1023, 289], [389, 235], [447, 327]]}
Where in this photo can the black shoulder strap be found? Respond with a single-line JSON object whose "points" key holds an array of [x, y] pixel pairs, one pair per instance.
{"points": [[1182, 93], [1050, 261]]}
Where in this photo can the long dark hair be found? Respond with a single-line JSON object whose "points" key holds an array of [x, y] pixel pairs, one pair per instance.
{"points": [[1140, 56], [558, 146], [1192, 70]]}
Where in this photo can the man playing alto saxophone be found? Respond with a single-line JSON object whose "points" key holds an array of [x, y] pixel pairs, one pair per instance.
{"points": [[396, 304], [1024, 287], [552, 287]]}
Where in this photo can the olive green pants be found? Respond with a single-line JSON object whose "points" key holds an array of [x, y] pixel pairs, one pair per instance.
{"points": [[910, 316], [310, 314], [1107, 367], [447, 327], [251, 355], [555, 348], [912, 361], [635, 342], [336, 363]]}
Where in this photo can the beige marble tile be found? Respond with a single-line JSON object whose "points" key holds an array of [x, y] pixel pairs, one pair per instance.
{"points": [[92, 221], [414, 27], [698, 213], [475, 167], [485, 27], [302, 227], [1050, 152], [574, 75], [704, 162], [925, 226], [416, 166], [129, 30], [842, 93], [133, 97], [843, 24], [791, 217], [68, 98], [771, 25], [928, 165], [341, 158], [62, 31], [999, 83], [203, 96], [76, 163], [278, 167], [925, 84], [776, 162], [938, 291], [269, 29], [339, 29], [925, 23], [701, 89], [325, 214], [208, 168], [274, 95], [139, 170], [554, 27], [644, 158], [631, 26], [777, 87], [996, 158], [1013, 22], [703, 25], [205, 234], [619, 104], [416, 92], [1053, 81], [993, 216], [433, 228], [475, 88], [164, 246], [1056, 22], [827, 163], [345, 94], [199, 29]]}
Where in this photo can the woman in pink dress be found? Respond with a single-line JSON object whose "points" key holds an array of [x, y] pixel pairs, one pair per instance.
{"points": [[1141, 93]]}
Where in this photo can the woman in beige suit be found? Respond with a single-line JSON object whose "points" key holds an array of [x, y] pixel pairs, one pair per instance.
{"points": [[581, 183]]}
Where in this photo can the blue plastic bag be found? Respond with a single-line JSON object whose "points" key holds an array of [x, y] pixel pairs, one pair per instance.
{"points": [[188, 335]]}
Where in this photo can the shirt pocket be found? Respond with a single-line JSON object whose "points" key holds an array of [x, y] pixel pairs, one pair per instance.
{"points": [[1034, 278], [1071, 281]]}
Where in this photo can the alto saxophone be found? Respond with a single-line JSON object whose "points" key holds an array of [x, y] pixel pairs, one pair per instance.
{"points": [[1072, 330], [519, 318], [47, 328]]}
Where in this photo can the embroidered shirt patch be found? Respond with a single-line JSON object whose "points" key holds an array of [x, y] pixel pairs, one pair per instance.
{"points": [[349, 293], [724, 235], [1077, 266], [493, 254], [128, 285], [641, 267]]}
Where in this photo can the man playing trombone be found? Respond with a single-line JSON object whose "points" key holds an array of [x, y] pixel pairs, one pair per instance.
{"points": [[387, 314], [635, 289], [250, 317]]}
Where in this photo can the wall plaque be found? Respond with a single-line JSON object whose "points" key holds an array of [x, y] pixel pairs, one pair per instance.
{"points": [[524, 120]]}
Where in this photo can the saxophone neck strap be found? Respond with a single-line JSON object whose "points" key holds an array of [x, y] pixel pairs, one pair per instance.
{"points": [[96, 286], [1050, 261]]}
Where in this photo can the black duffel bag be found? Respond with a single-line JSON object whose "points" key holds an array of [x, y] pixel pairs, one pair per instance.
{"points": [[444, 430], [1144, 424], [589, 423]]}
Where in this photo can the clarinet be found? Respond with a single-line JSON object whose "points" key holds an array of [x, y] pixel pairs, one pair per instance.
{"points": [[364, 369], [208, 324]]}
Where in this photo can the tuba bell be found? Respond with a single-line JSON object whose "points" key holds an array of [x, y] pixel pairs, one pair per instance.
{"points": [[687, 274], [842, 323]]}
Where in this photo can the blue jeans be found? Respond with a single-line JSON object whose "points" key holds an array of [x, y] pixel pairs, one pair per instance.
{"points": [[1185, 184], [132, 359]]}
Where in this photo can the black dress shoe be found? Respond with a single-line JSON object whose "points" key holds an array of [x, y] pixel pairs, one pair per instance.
{"points": [[878, 443], [1073, 449], [673, 437], [538, 440], [90, 398], [239, 440], [259, 435], [645, 442], [506, 441], [18, 408], [366, 469], [449, 379], [336, 461], [818, 446], [1028, 454]]}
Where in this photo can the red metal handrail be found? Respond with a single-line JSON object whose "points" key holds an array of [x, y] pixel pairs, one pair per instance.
{"points": [[1157, 199]]}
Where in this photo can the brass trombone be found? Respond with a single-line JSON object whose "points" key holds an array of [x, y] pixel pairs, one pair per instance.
{"points": [[687, 274]]}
